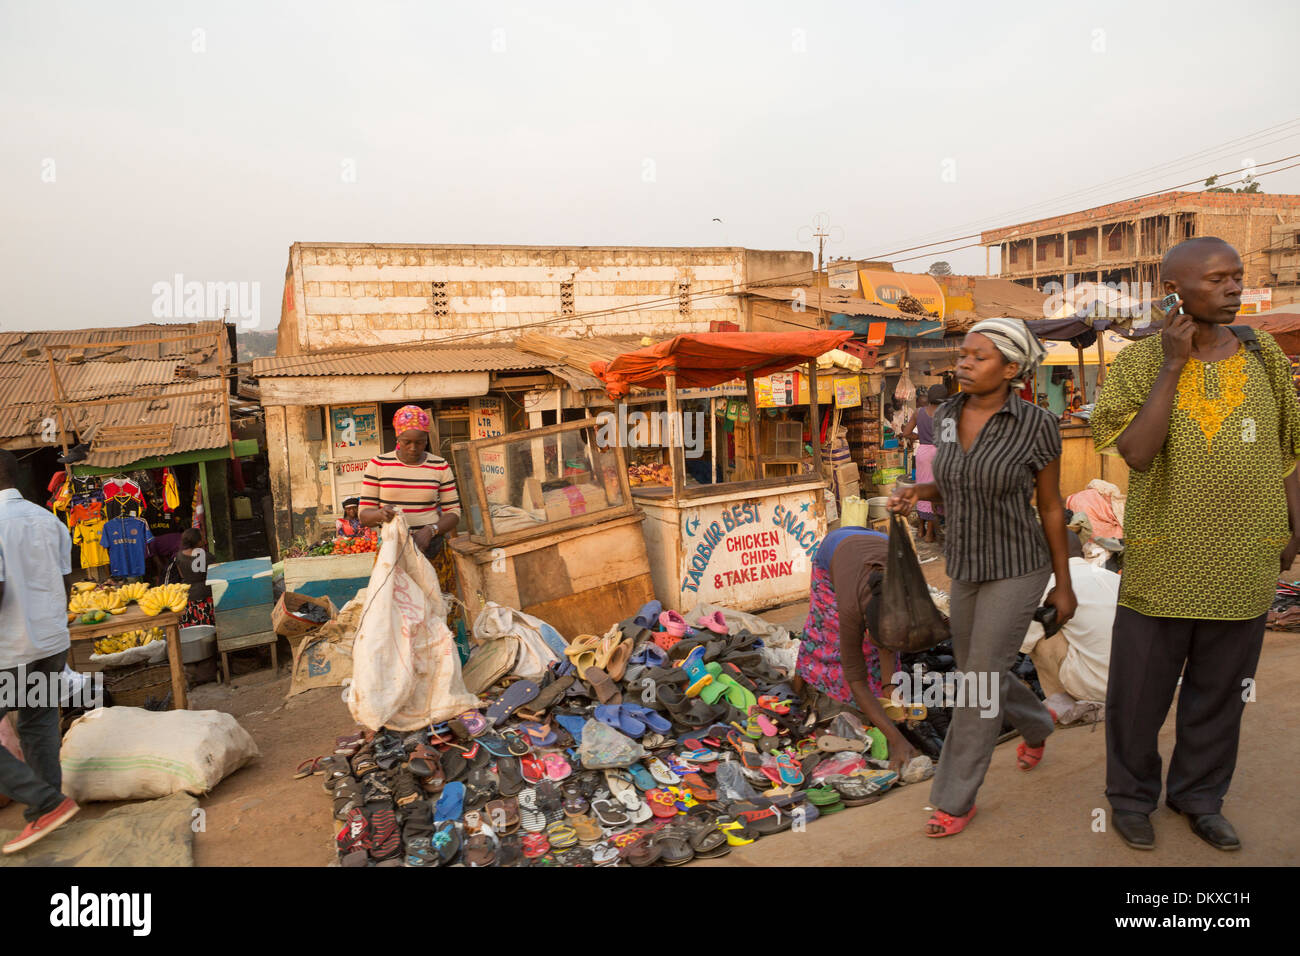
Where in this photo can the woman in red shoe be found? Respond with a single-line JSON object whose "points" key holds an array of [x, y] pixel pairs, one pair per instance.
{"points": [[994, 454]]}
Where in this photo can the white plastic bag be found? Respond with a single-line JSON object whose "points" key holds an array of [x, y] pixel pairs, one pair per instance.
{"points": [[405, 667], [129, 753], [497, 622]]}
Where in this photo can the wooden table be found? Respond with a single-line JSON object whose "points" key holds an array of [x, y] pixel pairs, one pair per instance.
{"points": [[133, 618]]}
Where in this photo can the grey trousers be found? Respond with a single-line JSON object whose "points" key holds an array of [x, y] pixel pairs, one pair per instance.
{"points": [[35, 780], [988, 622], [1215, 659]]}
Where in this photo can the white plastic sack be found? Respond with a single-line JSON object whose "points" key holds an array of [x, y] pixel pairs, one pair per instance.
{"points": [[405, 667], [155, 652], [129, 753], [497, 622]]}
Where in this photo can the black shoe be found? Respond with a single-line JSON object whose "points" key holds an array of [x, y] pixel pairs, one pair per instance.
{"points": [[1134, 829], [1213, 828]]}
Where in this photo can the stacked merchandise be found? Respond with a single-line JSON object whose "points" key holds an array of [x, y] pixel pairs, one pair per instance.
{"points": [[656, 743], [1285, 613], [863, 428]]}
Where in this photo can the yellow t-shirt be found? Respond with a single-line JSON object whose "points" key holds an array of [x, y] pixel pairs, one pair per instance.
{"points": [[87, 535]]}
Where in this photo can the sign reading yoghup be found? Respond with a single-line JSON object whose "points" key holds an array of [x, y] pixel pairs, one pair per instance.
{"points": [[737, 552]]}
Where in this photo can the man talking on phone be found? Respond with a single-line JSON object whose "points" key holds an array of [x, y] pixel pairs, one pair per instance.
{"points": [[1205, 415]]}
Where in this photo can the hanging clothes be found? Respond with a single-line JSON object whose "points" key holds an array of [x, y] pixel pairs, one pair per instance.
{"points": [[196, 506], [86, 536], [171, 495], [127, 539]]}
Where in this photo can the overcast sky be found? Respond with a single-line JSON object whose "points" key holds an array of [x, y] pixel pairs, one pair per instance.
{"points": [[142, 140]]}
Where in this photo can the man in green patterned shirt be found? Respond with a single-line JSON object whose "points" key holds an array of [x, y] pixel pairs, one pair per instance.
{"points": [[1208, 422]]}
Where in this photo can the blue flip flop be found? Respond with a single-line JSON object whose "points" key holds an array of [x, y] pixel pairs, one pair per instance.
{"points": [[514, 697], [647, 717], [573, 724], [649, 655], [620, 718], [641, 777], [451, 804]]}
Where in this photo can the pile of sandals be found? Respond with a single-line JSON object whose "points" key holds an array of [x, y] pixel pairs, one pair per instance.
{"points": [[694, 745]]}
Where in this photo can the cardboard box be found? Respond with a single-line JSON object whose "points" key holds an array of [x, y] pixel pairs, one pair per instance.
{"points": [[286, 624], [847, 480]]}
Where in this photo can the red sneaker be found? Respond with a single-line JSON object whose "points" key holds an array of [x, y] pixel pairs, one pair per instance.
{"points": [[43, 826]]}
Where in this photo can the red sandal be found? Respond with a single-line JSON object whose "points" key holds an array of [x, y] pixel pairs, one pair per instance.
{"points": [[1027, 758], [951, 824]]}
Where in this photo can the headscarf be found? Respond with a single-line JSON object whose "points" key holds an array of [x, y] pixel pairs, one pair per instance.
{"points": [[1017, 344], [410, 417]]}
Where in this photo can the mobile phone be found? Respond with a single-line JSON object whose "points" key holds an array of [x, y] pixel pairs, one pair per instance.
{"points": [[1167, 303], [1046, 616]]}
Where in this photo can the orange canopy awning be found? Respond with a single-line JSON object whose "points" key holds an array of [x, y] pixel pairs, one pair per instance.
{"points": [[705, 359]]}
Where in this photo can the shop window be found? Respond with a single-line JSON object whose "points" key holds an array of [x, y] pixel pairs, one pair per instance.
{"points": [[1042, 252], [451, 429], [566, 298], [1114, 242], [439, 297], [684, 298]]}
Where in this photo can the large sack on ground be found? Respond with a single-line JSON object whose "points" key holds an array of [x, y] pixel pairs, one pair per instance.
{"points": [[129, 753], [405, 667], [534, 653], [323, 658]]}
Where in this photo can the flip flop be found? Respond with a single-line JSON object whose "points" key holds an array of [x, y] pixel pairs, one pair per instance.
{"points": [[642, 777], [715, 622], [481, 849], [587, 829], [662, 803], [532, 768], [557, 768], [616, 666], [451, 804], [675, 846], [515, 696], [622, 789], [572, 724], [749, 756], [309, 768], [789, 769], [510, 778], [582, 652], [517, 744], [660, 771], [619, 717], [648, 616], [446, 840], [539, 735], [829, 743], [609, 813], [606, 690]]}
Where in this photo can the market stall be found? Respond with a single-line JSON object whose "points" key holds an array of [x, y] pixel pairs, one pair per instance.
{"points": [[550, 526], [132, 618], [744, 543]]}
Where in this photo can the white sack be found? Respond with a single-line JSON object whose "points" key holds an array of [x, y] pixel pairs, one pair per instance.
{"points": [[405, 667]]}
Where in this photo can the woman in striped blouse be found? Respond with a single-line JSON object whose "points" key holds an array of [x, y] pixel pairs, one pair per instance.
{"points": [[995, 451], [418, 484]]}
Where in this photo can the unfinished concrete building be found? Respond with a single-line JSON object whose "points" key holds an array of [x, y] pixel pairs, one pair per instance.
{"points": [[1124, 242]]}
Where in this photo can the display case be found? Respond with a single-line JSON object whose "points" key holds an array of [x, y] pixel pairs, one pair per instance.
{"points": [[515, 487]]}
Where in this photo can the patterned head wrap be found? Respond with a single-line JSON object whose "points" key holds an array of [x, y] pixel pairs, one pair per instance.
{"points": [[410, 417], [1017, 344]]}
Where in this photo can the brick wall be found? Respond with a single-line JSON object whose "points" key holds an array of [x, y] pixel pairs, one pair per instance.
{"points": [[373, 295]]}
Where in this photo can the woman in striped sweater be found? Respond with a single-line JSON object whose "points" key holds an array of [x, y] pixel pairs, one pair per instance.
{"points": [[995, 452], [420, 486]]}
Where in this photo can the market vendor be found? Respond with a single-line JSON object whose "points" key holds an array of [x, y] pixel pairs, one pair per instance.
{"points": [[417, 484], [349, 526], [837, 656], [920, 429], [190, 566]]}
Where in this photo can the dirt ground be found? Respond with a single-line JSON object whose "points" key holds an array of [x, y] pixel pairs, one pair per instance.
{"points": [[261, 816]]}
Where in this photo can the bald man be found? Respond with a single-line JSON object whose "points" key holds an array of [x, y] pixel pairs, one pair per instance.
{"points": [[1205, 415]]}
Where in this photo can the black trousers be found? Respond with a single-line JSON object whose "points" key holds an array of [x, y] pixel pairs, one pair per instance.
{"points": [[1147, 656], [35, 780]]}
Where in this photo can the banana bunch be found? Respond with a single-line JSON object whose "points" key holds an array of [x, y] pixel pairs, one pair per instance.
{"points": [[134, 591], [128, 639], [172, 597], [84, 600]]}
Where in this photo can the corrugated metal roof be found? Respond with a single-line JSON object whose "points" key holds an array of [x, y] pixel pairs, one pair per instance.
{"points": [[25, 383], [831, 300], [389, 361], [198, 419], [194, 351]]}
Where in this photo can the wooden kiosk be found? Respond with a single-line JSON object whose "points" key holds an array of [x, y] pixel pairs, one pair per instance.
{"points": [[746, 544], [552, 529]]}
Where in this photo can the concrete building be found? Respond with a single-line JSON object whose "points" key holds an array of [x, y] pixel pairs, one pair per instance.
{"points": [[365, 328], [1125, 241]]}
